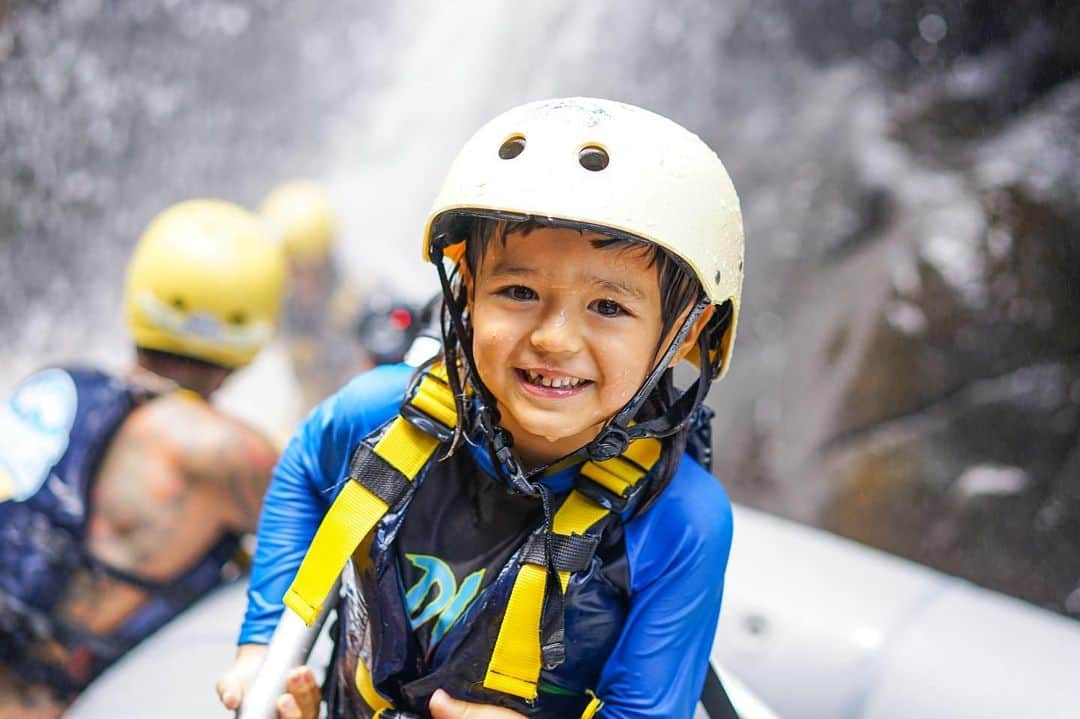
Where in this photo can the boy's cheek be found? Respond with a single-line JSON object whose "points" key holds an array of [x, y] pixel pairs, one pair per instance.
{"points": [[624, 373], [492, 338], [491, 351]]}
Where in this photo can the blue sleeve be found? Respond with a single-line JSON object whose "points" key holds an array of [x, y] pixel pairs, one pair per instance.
{"points": [[305, 483], [677, 552]]}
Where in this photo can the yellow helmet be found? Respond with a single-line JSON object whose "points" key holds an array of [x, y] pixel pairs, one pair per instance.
{"points": [[607, 166], [302, 212], [205, 281]]}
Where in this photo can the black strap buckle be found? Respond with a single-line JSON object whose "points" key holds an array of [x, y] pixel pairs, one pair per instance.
{"points": [[569, 552], [612, 441], [426, 423], [605, 497]]}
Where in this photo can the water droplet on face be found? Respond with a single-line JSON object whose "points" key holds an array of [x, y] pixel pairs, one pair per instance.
{"points": [[560, 321]]}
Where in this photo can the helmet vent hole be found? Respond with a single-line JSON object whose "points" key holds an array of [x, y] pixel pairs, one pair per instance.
{"points": [[179, 304], [512, 147], [237, 318], [593, 158]]}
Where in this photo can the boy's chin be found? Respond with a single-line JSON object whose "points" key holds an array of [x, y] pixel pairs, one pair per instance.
{"points": [[558, 434]]}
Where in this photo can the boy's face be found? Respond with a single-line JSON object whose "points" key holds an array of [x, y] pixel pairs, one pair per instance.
{"points": [[564, 333]]}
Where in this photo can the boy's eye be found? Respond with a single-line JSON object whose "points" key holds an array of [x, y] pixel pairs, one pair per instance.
{"points": [[518, 292], [608, 308]]}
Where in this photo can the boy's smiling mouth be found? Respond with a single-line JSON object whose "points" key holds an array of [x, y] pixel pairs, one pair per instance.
{"points": [[546, 383]]}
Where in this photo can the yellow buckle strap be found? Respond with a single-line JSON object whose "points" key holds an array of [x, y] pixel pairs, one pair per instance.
{"points": [[406, 448], [435, 399], [644, 453], [576, 515], [620, 474], [515, 662], [516, 659], [611, 474], [438, 369], [351, 517]]}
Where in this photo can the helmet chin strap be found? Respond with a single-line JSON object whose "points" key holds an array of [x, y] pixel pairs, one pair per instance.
{"points": [[616, 435], [499, 441]]}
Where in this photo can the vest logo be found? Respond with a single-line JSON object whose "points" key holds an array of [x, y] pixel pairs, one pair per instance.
{"points": [[34, 427], [447, 602]]}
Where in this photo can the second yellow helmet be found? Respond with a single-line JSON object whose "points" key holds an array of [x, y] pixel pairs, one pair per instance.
{"points": [[302, 212]]}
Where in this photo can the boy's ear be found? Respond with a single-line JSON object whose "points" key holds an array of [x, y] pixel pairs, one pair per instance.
{"points": [[692, 336]]}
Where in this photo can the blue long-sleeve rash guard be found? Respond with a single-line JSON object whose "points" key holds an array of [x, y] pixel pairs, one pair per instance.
{"points": [[677, 552]]}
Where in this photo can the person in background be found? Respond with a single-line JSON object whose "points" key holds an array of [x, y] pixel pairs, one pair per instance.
{"points": [[122, 498], [319, 308], [391, 329]]}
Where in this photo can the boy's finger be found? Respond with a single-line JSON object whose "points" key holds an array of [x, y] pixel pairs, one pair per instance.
{"points": [[444, 706], [230, 691], [287, 708], [233, 683], [304, 690]]}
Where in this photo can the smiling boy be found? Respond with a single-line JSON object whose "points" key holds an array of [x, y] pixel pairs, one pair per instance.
{"points": [[528, 531]]}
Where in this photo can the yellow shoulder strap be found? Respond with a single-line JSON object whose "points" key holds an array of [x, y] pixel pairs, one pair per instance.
{"points": [[516, 659], [362, 503]]}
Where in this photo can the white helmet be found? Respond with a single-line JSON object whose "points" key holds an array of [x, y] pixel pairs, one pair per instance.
{"points": [[607, 166]]}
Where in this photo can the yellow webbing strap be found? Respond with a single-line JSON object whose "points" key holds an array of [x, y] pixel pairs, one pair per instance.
{"points": [[619, 474], [406, 448], [593, 706], [435, 399], [366, 686], [357, 510], [351, 517], [516, 660]]}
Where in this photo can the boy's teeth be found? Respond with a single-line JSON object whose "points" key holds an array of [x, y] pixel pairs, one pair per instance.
{"points": [[557, 382]]}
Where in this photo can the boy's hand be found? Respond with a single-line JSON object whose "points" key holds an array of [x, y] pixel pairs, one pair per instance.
{"points": [[235, 681], [444, 706], [302, 701]]}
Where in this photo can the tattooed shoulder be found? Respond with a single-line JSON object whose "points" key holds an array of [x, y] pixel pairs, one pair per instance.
{"points": [[229, 456]]}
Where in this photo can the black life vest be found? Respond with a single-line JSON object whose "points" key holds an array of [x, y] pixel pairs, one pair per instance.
{"points": [[59, 423]]}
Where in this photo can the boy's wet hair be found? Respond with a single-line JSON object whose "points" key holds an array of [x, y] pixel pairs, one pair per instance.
{"points": [[679, 288]]}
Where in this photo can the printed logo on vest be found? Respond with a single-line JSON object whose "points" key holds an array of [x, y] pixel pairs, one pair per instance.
{"points": [[34, 429], [447, 602]]}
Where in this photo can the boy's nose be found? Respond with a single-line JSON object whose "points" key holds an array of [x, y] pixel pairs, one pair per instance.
{"points": [[556, 333]]}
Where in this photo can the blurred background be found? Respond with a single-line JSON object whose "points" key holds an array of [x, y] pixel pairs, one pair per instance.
{"points": [[908, 366]]}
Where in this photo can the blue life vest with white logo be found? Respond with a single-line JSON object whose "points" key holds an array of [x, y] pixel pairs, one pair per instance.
{"points": [[54, 433]]}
